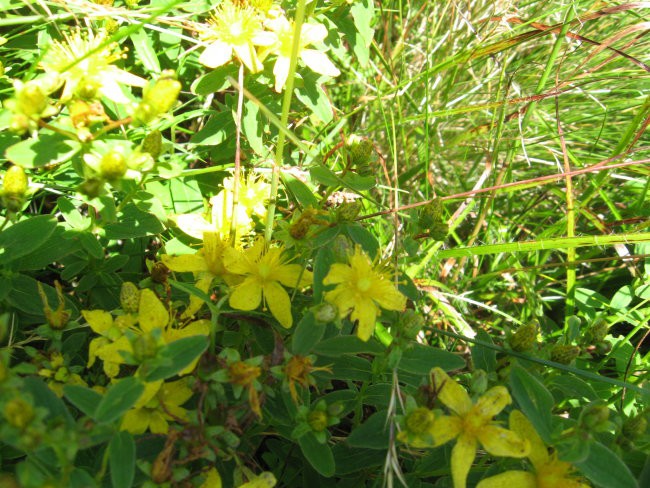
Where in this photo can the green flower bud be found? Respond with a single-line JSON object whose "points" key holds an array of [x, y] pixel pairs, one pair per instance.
{"points": [[594, 418], [18, 413], [31, 100], [159, 97], [91, 187], [564, 353], [62, 375], [597, 331], [411, 323], [635, 427], [430, 214], [19, 123], [420, 420], [525, 338], [14, 187], [348, 211], [88, 88], [152, 143], [160, 272], [129, 297], [113, 166], [317, 420], [144, 113], [439, 231], [325, 313]]}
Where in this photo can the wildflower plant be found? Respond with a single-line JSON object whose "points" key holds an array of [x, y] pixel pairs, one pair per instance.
{"points": [[251, 243]]}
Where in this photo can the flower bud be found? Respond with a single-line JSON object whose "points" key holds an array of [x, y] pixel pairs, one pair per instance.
{"points": [[635, 427], [18, 413], [325, 313], [129, 297], [430, 214], [152, 143], [594, 418], [31, 100], [91, 187], [113, 165], [348, 211], [87, 88], [420, 420], [411, 323], [160, 272], [525, 337], [14, 187], [158, 98], [317, 420], [597, 331], [564, 353]]}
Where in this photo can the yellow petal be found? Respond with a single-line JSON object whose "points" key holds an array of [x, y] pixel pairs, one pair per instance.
{"points": [[510, 479], [263, 480], [203, 284], [151, 389], [502, 442], [175, 393], [338, 273], [312, 33], [236, 262], [446, 428], [342, 298], [281, 72], [387, 296], [151, 312], [462, 457], [192, 224], [278, 301], [158, 423], [216, 54], [247, 55], [93, 349], [135, 421], [492, 402], [289, 274], [538, 454], [365, 311], [450, 393], [318, 62], [247, 295], [99, 320], [212, 479], [187, 263]]}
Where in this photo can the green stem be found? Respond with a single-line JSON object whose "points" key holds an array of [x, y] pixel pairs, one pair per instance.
{"points": [[286, 104], [237, 174]]}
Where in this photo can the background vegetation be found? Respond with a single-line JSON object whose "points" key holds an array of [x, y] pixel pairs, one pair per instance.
{"points": [[486, 159]]}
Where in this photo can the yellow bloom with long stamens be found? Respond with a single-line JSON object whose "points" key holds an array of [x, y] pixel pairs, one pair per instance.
{"points": [[471, 424], [315, 60], [265, 271], [548, 470], [234, 30], [362, 289], [83, 63]]}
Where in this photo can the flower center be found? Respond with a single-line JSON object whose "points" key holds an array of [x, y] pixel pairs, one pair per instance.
{"points": [[364, 284], [264, 270]]}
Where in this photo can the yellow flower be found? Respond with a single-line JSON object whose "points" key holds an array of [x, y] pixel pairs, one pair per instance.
{"points": [[314, 59], [418, 428], [549, 471], [471, 424], [207, 265], [234, 29], [58, 374], [107, 347], [83, 63], [264, 271], [362, 289], [159, 404]]}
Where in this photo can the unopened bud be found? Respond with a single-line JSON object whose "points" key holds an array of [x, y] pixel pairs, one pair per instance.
{"points": [[113, 165], [564, 353], [411, 323], [594, 417], [31, 100], [348, 211], [152, 143], [317, 420], [91, 187], [160, 272], [420, 420], [14, 187], [325, 313], [525, 337], [129, 297], [159, 97], [597, 331], [18, 413], [635, 427]]}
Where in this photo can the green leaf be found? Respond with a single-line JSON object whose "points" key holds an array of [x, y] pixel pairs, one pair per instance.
{"points": [[421, 359], [121, 454], [142, 42], [534, 399], [48, 149], [349, 460], [322, 262], [484, 358], [306, 335], [372, 434], [605, 468], [45, 398], [364, 238], [347, 344], [177, 356], [303, 195], [253, 126], [319, 455], [80, 478], [25, 297], [133, 223], [571, 386], [71, 214], [83, 398], [348, 368], [25, 237], [121, 396], [215, 81], [58, 246], [216, 130], [314, 97]]}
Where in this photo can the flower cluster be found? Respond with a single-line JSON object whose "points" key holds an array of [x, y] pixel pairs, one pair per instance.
{"points": [[251, 34]]}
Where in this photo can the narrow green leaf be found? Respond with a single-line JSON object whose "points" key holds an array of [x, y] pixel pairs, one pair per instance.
{"points": [[347, 344], [319, 455], [372, 434], [605, 468], [306, 335], [420, 359], [142, 42], [177, 356], [121, 455], [83, 398], [534, 399], [118, 399]]}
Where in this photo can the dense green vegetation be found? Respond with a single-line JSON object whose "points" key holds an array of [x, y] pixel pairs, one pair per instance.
{"points": [[250, 243]]}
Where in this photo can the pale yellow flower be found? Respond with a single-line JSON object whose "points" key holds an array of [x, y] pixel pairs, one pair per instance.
{"points": [[548, 470], [234, 30], [471, 424], [310, 33], [264, 271], [362, 289], [83, 63]]}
